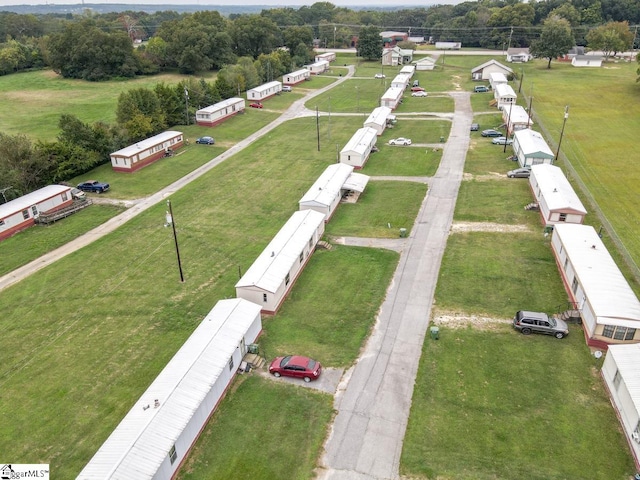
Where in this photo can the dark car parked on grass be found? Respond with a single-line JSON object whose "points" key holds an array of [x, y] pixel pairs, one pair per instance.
{"points": [[296, 366], [475, 127], [206, 140], [93, 186], [491, 133], [538, 322]]}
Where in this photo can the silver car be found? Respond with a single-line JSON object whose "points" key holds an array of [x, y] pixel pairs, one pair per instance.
{"points": [[538, 322], [519, 173]]}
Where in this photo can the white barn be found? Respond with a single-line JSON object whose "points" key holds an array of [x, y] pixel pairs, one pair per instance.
{"points": [[219, 112], [156, 435], [497, 78], [555, 196], [327, 56], [504, 95], [264, 91], [378, 119], [269, 279], [530, 148], [621, 376], [516, 118], [325, 193], [296, 77], [609, 309], [21, 212], [391, 98], [484, 70], [401, 81], [144, 152], [358, 148], [318, 67]]}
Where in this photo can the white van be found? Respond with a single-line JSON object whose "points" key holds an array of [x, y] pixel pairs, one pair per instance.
{"points": [[286, 88]]}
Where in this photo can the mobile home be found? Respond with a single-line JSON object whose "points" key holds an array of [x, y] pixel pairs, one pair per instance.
{"points": [[219, 112], [144, 152], [264, 91]]}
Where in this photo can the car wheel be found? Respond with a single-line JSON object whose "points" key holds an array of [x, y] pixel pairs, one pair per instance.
{"points": [[559, 335], [307, 379], [526, 331], [276, 374]]}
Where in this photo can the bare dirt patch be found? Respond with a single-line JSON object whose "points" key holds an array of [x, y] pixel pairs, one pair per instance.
{"points": [[458, 227], [457, 320], [467, 177]]}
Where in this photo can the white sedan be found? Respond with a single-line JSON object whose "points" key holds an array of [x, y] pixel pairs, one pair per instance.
{"points": [[419, 94], [379, 75], [400, 141]]}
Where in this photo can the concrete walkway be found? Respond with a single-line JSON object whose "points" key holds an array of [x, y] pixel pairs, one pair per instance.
{"points": [[367, 435], [297, 109]]}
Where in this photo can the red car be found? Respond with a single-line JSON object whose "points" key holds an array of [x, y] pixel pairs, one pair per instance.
{"points": [[295, 366], [256, 105], [417, 89]]}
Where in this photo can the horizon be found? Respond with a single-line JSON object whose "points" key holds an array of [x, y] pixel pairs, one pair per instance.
{"points": [[209, 3]]}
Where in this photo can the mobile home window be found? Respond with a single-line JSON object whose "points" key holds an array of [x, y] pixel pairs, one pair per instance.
{"points": [[287, 279], [608, 330], [25, 214], [574, 285], [563, 217], [301, 255], [64, 196], [231, 363], [631, 333], [616, 379], [1, 223], [34, 210], [264, 297], [173, 455], [566, 262]]}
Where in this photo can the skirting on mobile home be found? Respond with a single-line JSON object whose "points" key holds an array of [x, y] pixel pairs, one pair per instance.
{"points": [[20, 213], [155, 436], [144, 152], [269, 279]]}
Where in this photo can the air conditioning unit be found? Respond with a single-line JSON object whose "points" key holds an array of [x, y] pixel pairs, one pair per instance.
{"points": [[636, 437]]}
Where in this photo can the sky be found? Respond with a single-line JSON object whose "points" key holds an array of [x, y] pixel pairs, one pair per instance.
{"points": [[284, 3]]}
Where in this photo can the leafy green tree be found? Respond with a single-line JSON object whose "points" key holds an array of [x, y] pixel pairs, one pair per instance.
{"points": [[555, 40], [140, 113], [20, 165], [294, 36], [610, 38], [274, 65], [370, 43], [172, 103], [253, 35]]}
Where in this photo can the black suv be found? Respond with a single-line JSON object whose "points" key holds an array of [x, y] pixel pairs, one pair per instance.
{"points": [[537, 322]]}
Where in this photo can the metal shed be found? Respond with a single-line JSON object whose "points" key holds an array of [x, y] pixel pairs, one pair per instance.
{"points": [[155, 436], [555, 196], [358, 148], [531, 148], [609, 308], [269, 279], [621, 375]]}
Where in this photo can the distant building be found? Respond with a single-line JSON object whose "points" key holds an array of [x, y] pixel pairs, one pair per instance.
{"points": [[587, 61], [296, 77], [448, 45], [390, 39], [144, 152], [396, 56], [264, 91], [484, 70], [219, 112], [518, 55]]}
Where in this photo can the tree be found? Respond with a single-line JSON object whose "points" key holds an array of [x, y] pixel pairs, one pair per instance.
{"points": [[253, 35], [610, 38], [140, 113], [20, 165], [370, 43], [555, 40]]}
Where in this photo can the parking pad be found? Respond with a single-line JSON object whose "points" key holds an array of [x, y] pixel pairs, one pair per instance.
{"points": [[328, 381]]}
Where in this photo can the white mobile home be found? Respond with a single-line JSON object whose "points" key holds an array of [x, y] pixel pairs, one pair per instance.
{"points": [[219, 112], [358, 148], [296, 77], [408, 70], [144, 152], [586, 61], [504, 95], [484, 70], [448, 45], [497, 78], [392, 98], [155, 436], [21, 212], [515, 118], [555, 196], [318, 67], [609, 309], [378, 119], [425, 63], [262, 92], [326, 192], [327, 56], [531, 148], [621, 375], [400, 81], [269, 279]]}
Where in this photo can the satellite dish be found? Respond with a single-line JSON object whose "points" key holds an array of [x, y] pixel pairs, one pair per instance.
{"points": [[597, 354]]}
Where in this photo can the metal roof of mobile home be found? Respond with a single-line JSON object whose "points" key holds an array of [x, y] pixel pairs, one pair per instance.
{"points": [[266, 86], [393, 93], [608, 292], [147, 143], [403, 78], [33, 198], [489, 63], [361, 140], [220, 105], [271, 267], [143, 439], [556, 189], [504, 90], [302, 71], [627, 360], [379, 116], [532, 143], [498, 76], [516, 114], [356, 182], [328, 185]]}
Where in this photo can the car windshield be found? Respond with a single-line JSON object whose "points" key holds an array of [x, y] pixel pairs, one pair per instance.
{"points": [[312, 364], [285, 361]]}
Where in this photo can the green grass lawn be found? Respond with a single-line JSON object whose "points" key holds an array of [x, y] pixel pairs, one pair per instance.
{"points": [[493, 404], [419, 130], [409, 162]]}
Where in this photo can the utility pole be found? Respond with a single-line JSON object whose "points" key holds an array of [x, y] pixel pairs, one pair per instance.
{"points": [[564, 122], [318, 127], [504, 150], [530, 107], [186, 103], [170, 221], [334, 36], [510, 34]]}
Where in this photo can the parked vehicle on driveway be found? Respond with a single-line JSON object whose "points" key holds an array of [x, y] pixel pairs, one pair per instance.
{"points": [[296, 366], [419, 94], [417, 89], [502, 141], [475, 127], [286, 88], [538, 322], [93, 186], [480, 89], [400, 141], [379, 75], [491, 133], [519, 173]]}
